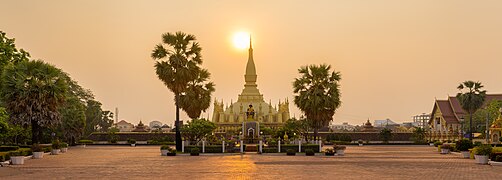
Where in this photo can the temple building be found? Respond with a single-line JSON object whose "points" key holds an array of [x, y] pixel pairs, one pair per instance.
{"points": [[231, 117], [448, 117]]}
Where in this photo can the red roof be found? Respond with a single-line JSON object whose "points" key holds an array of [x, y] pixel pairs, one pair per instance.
{"points": [[452, 110]]}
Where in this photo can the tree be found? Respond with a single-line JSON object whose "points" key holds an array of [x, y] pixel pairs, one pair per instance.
{"points": [[418, 135], [490, 111], [93, 113], [197, 97], [177, 65], [317, 94], [471, 98], [9, 53], [73, 120], [197, 129], [106, 121], [32, 92], [386, 135], [4, 125]]}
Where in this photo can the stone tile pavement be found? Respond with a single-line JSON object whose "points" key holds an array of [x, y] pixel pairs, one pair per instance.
{"points": [[145, 162]]}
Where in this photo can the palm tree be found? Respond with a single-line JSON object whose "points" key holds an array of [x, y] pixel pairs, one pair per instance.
{"points": [[317, 94], [32, 92], [197, 97], [177, 65], [471, 99]]}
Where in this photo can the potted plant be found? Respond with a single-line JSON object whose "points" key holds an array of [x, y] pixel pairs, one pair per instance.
{"points": [[360, 142], [64, 147], [172, 152], [132, 142], [290, 152], [463, 146], [445, 148], [164, 149], [16, 158], [309, 152], [481, 153], [437, 143], [37, 150], [431, 143], [56, 147], [194, 152], [340, 150], [329, 152]]}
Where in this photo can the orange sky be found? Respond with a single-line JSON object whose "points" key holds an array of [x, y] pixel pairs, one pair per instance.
{"points": [[395, 56]]}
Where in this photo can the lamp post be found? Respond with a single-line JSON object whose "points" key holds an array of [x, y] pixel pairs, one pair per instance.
{"points": [[487, 133]]}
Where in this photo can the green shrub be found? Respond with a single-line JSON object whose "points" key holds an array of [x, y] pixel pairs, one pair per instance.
{"points": [[15, 153], [207, 149], [64, 145], [56, 144], [270, 150], [194, 152], [47, 148], [85, 141], [477, 143], [4, 156], [36, 148], [309, 152], [464, 145], [8, 148], [285, 147], [437, 143], [290, 152], [498, 158], [131, 141], [446, 146], [329, 152], [484, 149], [165, 147]]}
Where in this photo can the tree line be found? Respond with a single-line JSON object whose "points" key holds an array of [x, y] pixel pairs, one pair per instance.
{"points": [[40, 102]]}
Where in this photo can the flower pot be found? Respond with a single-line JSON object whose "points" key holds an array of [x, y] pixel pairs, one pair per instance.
{"points": [[163, 152], [38, 155], [466, 154], [17, 160], [431, 144], [445, 151], [360, 144], [340, 152], [55, 151], [481, 159], [133, 145], [63, 150]]}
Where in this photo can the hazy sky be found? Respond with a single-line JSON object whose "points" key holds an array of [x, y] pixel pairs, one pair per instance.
{"points": [[395, 56]]}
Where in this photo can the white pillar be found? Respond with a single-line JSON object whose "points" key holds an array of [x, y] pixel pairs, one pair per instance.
{"points": [[279, 146], [203, 146], [299, 146], [242, 147], [261, 147], [182, 146], [320, 147], [223, 147]]}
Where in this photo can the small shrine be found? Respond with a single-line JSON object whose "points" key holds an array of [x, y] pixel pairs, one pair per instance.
{"points": [[496, 129], [368, 127], [140, 128]]}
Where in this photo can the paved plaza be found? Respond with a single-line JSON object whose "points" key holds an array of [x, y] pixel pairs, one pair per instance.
{"points": [[145, 162]]}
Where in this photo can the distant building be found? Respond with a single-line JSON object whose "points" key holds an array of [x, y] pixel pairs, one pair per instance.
{"points": [[140, 128], [124, 126], [166, 128], [368, 127], [422, 120], [155, 125], [384, 123], [343, 127]]}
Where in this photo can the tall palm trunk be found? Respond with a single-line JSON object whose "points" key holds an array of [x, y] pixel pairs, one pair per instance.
{"points": [[470, 127], [177, 123], [35, 132]]}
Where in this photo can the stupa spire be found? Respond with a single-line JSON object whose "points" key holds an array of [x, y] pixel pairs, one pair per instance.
{"points": [[250, 75]]}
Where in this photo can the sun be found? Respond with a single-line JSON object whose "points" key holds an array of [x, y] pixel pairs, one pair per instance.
{"points": [[241, 40]]}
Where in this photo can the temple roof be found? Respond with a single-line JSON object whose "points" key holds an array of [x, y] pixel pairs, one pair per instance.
{"points": [[452, 110]]}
